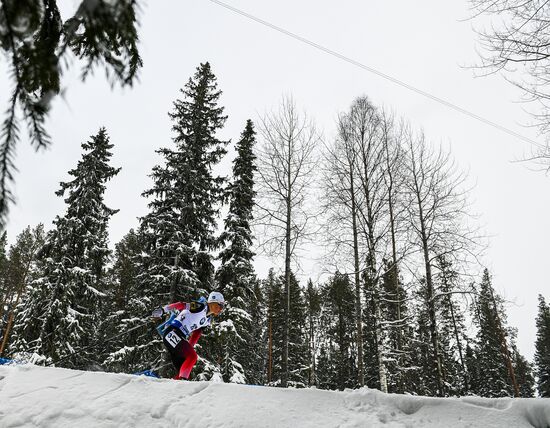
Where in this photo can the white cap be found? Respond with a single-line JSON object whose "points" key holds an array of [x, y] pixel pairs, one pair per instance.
{"points": [[216, 297]]}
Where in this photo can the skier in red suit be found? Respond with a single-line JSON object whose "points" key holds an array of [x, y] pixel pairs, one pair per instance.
{"points": [[185, 329]]}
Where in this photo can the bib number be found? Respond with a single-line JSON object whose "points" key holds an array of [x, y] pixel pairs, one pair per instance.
{"points": [[173, 339]]}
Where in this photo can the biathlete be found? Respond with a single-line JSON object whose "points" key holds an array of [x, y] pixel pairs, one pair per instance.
{"points": [[184, 330]]}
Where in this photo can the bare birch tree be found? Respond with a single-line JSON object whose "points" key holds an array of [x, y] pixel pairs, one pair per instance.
{"points": [[393, 139], [438, 214], [286, 165], [340, 202], [366, 133]]}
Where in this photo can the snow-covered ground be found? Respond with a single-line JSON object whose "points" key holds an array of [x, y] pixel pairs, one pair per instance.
{"points": [[33, 396]]}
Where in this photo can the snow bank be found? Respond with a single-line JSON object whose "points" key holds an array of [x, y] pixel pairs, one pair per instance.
{"points": [[32, 396]]}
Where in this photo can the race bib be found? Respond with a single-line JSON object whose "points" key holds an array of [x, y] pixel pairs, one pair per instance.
{"points": [[173, 339]]}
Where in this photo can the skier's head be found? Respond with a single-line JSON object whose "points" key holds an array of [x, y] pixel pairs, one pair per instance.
{"points": [[216, 302]]}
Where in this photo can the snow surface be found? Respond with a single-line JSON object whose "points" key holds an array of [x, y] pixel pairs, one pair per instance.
{"points": [[32, 396]]}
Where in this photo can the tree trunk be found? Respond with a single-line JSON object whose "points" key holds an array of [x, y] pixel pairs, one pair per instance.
{"points": [[284, 379], [504, 348], [375, 283], [312, 351], [360, 368], [393, 269], [431, 307], [270, 349], [457, 337]]}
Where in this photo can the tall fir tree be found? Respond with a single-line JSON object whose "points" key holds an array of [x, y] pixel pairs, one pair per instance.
{"points": [[542, 349], [66, 298], [491, 356], [178, 233], [236, 347]]}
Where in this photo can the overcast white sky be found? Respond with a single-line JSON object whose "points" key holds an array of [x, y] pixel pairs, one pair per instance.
{"points": [[423, 43]]}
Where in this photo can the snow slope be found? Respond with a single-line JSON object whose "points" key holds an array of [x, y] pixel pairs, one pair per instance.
{"points": [[32, 396]]}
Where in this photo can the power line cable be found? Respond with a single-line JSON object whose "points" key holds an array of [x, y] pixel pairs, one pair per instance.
{"points": [[380, 74]]}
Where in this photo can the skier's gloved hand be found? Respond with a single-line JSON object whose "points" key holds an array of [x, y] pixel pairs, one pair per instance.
{"points": [[158, 313]]}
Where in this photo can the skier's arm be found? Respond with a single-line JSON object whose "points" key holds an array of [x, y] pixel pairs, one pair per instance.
{"points": [[195, 336], [163, 310], [178, 306]]}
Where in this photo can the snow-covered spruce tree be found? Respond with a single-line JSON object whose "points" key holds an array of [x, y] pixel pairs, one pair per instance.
{"points": [[178, 233], [298, 359], [395, 313], [474, 376], [66, 298], [421, 352], [257, 370], [524, 373], [124, 309], [4, 286], [492, 351], [452, 331], [237, 349], [313, 328], [542, 349], [326, 367], [338, 319], [273, 292], [21, 271]]}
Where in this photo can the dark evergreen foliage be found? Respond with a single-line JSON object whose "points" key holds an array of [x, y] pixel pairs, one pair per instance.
{"points": [[423, 364], [21, 270], [273, 292], [524, 375], [257, 366], [179, 230], [395, 314], [36, 43], [313, 300], [338, 320], [237, 348], [126, 308], [452, 331], [542, 349], [370, 343], [5, 286], [298, 361], [494, 379]]}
